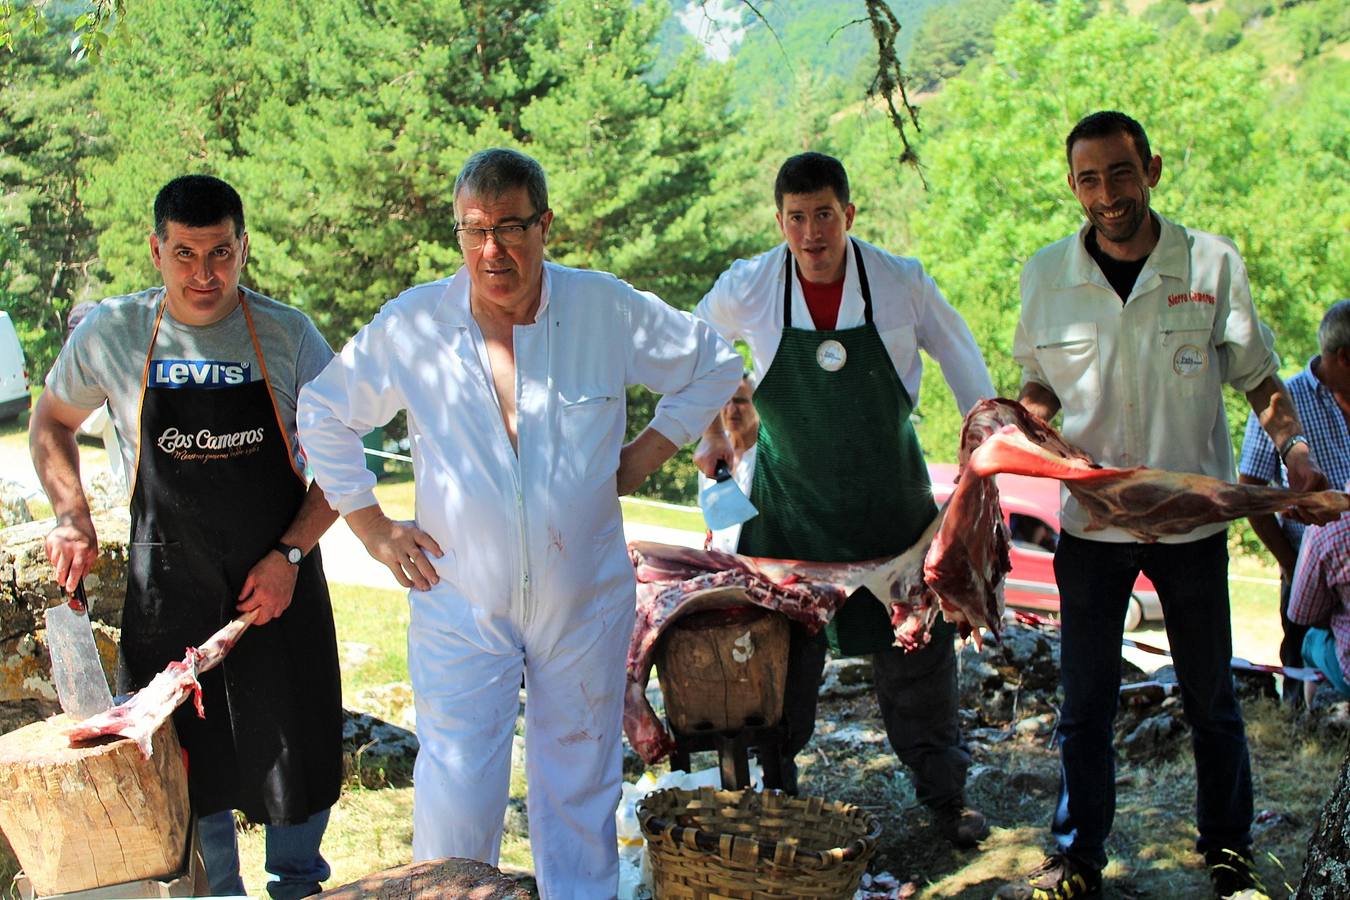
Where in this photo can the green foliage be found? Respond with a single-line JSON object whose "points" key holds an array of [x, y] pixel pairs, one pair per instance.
{"points": [[47, 134], [1224, 31], [94, 28], [952, 35]]}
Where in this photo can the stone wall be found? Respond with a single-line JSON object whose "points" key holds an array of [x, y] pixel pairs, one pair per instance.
{"points": [[27, 588]]}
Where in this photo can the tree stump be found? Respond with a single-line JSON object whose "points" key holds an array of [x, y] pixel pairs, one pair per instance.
{"points": [[463, 879], [86, 817], [724, 669], [1326, 872]]}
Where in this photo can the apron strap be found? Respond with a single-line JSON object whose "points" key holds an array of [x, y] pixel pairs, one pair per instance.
{"points": [[862, 285], [262, 364]]}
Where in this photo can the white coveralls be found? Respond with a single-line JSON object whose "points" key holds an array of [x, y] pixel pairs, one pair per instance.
{"points": [[534, 573]]}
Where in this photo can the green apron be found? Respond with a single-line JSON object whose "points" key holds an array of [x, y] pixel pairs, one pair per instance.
{"points": [[839, 475]]}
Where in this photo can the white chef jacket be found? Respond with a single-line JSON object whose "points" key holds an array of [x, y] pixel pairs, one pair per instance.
{"points": [[1140, 383], [543, 527], [908, 309]]}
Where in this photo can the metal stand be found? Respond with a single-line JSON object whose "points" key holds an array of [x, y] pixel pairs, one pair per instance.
{"points": [[733, 753]]}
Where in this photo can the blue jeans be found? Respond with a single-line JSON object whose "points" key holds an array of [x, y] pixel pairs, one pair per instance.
{"points": [[293, 859], [1319, 652], [1095, 579]]}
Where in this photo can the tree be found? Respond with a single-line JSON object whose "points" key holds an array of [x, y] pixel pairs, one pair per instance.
{"points": [[1326, 871], [48, 132]]}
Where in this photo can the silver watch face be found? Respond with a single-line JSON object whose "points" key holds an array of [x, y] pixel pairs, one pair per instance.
{"points": [[293, 556]]}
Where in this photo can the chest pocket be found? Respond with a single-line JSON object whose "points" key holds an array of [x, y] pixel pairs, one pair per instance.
{"points": [[1071, 362], [1185, 361], [592, 432]]}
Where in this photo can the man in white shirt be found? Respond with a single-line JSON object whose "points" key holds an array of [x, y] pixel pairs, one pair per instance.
{"points": [[1131, 327], [834, 327], [513, 374]]}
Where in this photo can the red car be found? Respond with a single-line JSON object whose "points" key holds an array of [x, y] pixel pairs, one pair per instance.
{"points": [[1031, 512]]}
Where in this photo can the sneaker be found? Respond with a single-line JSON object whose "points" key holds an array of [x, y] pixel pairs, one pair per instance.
{"points": [[1232, 872], [1059, 877], [962, 826]]}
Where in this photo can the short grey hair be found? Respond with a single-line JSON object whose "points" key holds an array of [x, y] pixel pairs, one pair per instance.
{"points": [[1334, 332], [493, 172]]}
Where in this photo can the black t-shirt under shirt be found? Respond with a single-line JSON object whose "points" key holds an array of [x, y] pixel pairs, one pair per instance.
{"points": [[1122, 274]]}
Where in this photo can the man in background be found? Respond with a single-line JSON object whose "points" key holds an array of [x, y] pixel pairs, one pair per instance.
{"points": [[1321, 397]]}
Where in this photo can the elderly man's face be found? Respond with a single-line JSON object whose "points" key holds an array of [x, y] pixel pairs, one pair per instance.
{"points": [[738, 414], [507, 277]]}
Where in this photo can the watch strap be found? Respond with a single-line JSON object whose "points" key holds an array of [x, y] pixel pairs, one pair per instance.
{"points": [[292, 555], [1291, 443]]}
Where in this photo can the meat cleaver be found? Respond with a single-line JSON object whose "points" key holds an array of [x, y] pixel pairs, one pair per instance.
{"points": [[80, 683], [724, 503]]}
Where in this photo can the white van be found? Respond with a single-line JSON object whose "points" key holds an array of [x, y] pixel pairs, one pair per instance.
{"points": [[14, 396]]}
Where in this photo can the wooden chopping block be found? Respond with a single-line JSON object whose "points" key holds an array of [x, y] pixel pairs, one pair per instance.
{"points": [[463, 879], [724, 669], [85, 817]]}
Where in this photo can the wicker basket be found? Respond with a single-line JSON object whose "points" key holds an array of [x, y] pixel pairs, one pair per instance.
{"points": [[744, 845]]}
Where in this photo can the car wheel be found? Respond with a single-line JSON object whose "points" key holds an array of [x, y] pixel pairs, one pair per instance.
{"points": [[1134, 614]]}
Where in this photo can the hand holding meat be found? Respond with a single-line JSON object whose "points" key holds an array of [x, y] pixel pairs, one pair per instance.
{"points": [[401, 546], [72, 547], [268, 588]]}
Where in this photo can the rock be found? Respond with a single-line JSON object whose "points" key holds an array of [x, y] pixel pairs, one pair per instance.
{"points": [[846, 677], [1033, 783], [1036, 725], [392, 702], [1155, 736], [15, 714], [376, 750], [13, 504], [441, 879], [27, 588]]}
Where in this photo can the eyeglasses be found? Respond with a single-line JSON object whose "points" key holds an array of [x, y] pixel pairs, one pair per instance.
{"points": [[509, 235]]}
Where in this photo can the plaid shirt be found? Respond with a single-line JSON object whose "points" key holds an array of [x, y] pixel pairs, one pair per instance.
{"points": [[1328, 439], [1320, 595]]}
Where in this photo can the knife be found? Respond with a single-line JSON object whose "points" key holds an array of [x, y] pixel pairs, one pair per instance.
{"points": [[77, 672], [724, 503]]}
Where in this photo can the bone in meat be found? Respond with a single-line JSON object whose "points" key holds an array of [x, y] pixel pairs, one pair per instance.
{"points": [[140, 717]]}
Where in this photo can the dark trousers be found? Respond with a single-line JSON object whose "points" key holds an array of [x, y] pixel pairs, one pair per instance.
{"points": [[917, 693], [1095, 579]]}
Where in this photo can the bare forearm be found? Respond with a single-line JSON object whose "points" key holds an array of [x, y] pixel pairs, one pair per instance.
{"points": [[1275, 412], [644, 455], [56, 459], [1272, 536], [313, 519]]}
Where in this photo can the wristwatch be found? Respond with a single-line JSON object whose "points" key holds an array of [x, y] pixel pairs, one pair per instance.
{"points": [[1291, 444], [293, 555]]}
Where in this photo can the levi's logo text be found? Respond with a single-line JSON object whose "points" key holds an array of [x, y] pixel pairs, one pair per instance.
{"points": [[206, 445], [1190, 297], [198, 373]]}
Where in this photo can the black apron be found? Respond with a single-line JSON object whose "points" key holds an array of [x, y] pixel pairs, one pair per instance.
{"points": [[839, 474], [203, 512]]}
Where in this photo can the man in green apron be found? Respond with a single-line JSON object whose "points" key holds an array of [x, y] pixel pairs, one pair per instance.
{"points": [[834, 326], [201, 377]]}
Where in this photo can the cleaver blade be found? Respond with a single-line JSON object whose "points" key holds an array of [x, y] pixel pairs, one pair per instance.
{"points": [[724, 504], [76, 671]]}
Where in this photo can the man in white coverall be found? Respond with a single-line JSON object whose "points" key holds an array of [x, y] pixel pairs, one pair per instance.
{"points": [[513, 372]]}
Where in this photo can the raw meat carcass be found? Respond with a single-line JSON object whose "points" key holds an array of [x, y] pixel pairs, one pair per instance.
{"points": [[969, 557], [140, 717], [676, 581], [1002, 436]]}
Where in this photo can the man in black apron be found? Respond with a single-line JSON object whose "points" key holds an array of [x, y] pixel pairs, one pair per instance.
{"points": [[834, 327], [222, 524]]}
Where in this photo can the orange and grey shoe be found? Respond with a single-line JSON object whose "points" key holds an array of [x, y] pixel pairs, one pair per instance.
{"points": [[1059, 877]]}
